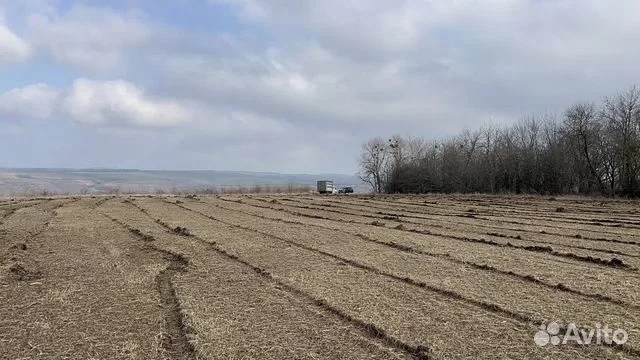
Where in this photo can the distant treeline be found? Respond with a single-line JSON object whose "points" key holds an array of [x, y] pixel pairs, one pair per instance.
{"points": [[589, 149]]}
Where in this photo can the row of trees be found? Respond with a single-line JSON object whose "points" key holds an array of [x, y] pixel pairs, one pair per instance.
{"points": [[589, 149]]}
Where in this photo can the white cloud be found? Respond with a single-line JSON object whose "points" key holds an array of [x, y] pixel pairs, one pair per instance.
{"points": [[120, 102], [361, 26], [389, 25], [91, 38], [312, 88], [428, 65], [116, 103], [12, 47], [307, 70], [38, 101]]}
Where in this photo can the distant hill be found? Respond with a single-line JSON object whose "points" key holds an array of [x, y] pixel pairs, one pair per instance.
{"points": [[34, 181]]}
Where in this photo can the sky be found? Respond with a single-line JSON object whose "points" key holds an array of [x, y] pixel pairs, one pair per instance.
{"points": [[292, 86]]}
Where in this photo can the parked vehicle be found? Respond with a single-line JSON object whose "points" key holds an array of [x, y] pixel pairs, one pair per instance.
{"points": [[326, 187], [347, 190]]}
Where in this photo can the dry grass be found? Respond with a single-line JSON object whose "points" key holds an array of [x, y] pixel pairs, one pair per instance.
{"points": [[563, 246], [244, 328], [313, 238], [420, 262], [83, 304], [271, 277]]}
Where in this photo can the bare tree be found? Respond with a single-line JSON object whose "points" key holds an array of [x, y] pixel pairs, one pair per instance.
{"points": [[470, 144], [416, 149], [589, 150], [622, 114], [583, 133], [373, 163]]}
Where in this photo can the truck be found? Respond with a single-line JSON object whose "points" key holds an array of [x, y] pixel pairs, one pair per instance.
{"points": [[326, 187]]}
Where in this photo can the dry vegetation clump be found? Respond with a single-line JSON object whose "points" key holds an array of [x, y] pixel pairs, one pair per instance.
{"points": [[617, 262], [538, 248], [141, 235], [21, 246], [23, 273], [517, 237], [613, 262], [181, 231]]}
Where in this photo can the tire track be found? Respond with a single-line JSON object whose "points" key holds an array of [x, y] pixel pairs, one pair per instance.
{"points": [[419, 352], [102, 201], [425, 216], [545, 215], [513, 221], [483, 305], [406, 207], [398, 218], [19, 251], [54, 214], [13, 209], [175, 340], [447, 257], [490, 307], [613, 263]]}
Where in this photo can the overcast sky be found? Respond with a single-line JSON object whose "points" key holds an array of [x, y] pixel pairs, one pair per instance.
{"points": [[290, 85]]}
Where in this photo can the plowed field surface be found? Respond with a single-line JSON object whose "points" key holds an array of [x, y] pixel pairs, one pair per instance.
{"points": [[319, 277]]}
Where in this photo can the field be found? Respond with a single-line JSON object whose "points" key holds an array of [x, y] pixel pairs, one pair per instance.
{"points": [[316, 277]]}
